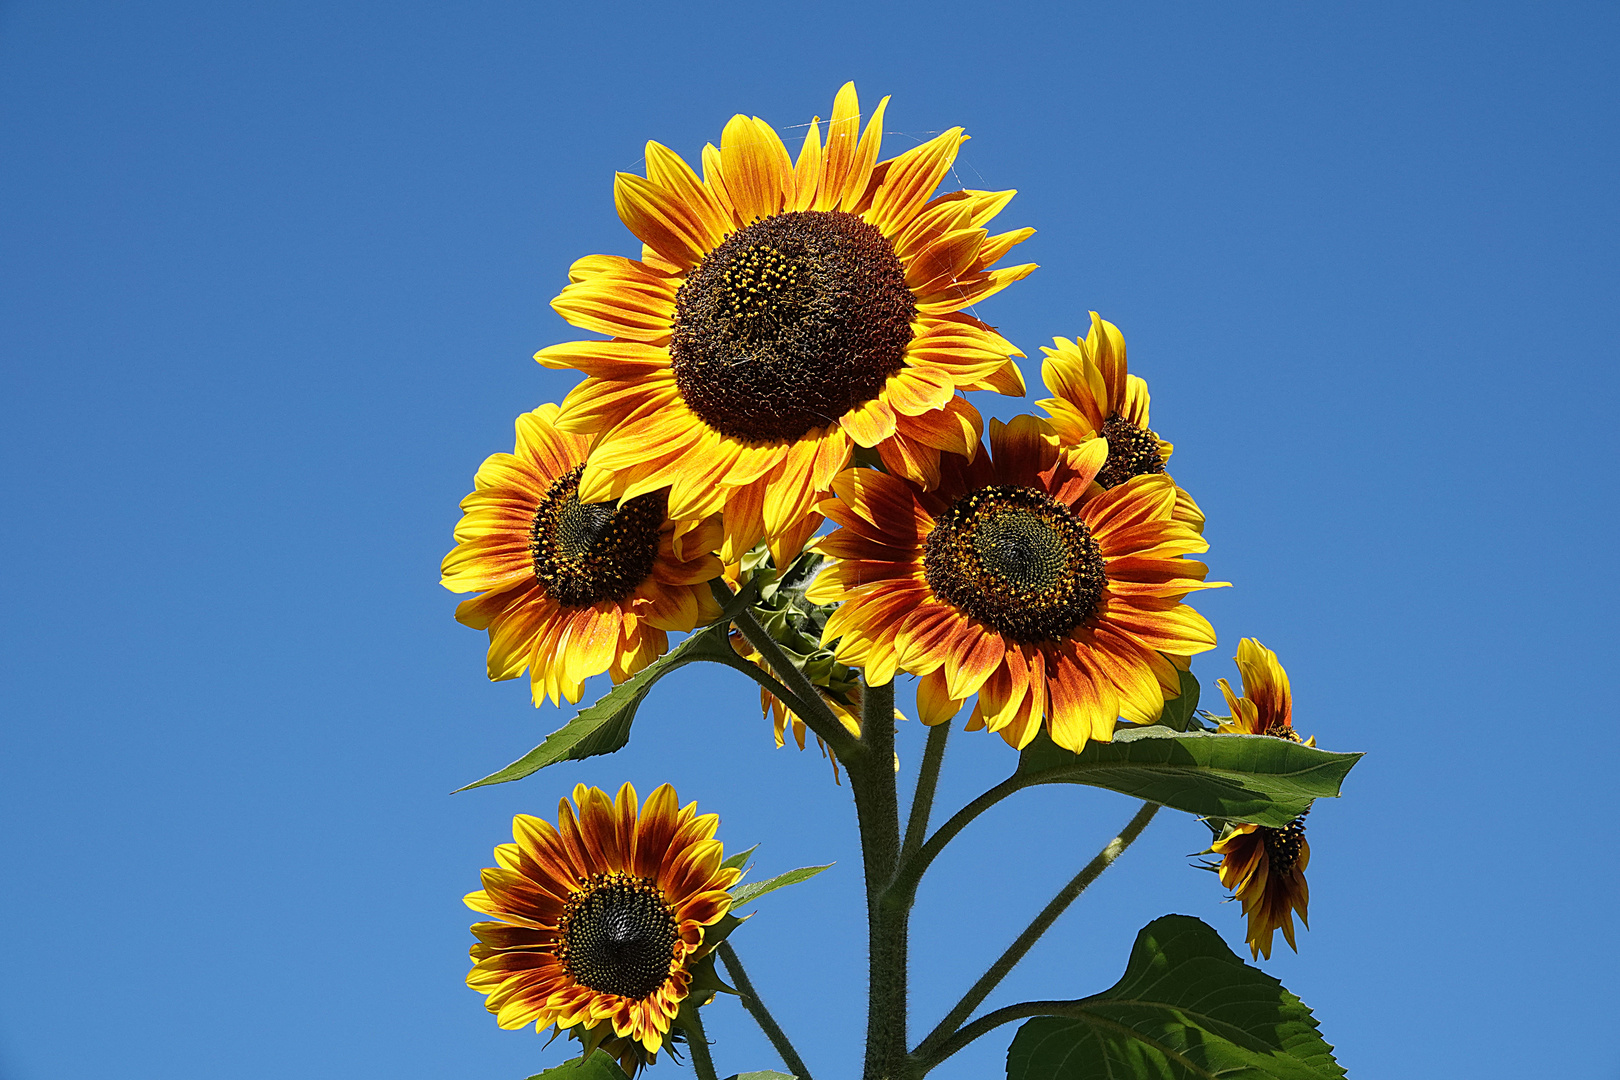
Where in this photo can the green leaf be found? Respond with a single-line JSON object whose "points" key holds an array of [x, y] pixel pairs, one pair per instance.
{"points": [[1252, 778], [747, 894], [739, 860], [1179, 712], [599, 1066], [1187, 1008], [604, 727], [761, 1076]]}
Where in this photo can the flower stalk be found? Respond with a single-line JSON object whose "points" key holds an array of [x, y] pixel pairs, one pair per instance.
{"points": [[762, 1016]]}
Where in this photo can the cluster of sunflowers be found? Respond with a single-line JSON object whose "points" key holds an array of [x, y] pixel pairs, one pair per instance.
{"points": [[793, 347]]}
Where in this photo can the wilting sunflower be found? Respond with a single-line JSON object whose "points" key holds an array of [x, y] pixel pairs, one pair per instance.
{"points": [[1265, 870], [601, 917], [782, 314], [1098, 398], [1266, 707], [1018, 579], [573, 588]]}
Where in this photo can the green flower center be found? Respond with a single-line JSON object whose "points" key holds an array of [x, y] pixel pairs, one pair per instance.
{"points": [[1018, 561], [617, 936], [1132, 451], [790, 323], [587, 552]]}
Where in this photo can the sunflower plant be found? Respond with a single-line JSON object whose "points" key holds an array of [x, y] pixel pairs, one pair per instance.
{"points": [[771, 455]]}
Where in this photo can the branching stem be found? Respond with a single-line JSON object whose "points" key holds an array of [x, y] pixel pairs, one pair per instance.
{"points": [[927, 781]]}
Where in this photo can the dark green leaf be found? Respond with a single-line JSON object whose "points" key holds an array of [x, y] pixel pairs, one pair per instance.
{"points": [[1180, 711], [604, 727], [746, 894], [1253, 778], [596, 1067], [1186, 1009]]}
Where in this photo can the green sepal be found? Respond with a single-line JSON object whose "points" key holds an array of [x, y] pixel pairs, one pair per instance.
{"points": [[603, 727], [1187, 1008], [1251, 778], [706, 981], [1181, 713], [595, 1065], [747, 894], [739, 861], [717, 932]]}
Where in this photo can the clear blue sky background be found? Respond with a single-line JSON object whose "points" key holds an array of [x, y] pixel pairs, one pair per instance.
{"points": [[273, 275]]}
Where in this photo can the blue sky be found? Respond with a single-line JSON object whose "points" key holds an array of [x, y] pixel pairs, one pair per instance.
{"points": [[274, 273]]}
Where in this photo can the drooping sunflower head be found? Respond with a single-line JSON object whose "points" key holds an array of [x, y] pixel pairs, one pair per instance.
{"points": [[1264, 868], [1266, 707], [1019, 579], [783, 313], [573, 588], [601, 917]]}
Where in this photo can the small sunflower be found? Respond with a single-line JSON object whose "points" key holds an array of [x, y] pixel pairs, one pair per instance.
{"points": [[845, 703], [1265, 870], [1098, 398], [782, 314], [572, 589], [1266, 707], [1021, 580], [601, 917]]}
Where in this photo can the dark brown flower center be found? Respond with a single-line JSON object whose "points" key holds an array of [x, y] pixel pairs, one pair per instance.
{"points": [[1283, 845], [617, 935], [1017, 560], [1132, 451], [789, 323], [586, 552]]}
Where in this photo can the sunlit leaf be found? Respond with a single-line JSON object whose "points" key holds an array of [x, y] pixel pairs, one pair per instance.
{"points": [[746, 894], [1187, 1008]]}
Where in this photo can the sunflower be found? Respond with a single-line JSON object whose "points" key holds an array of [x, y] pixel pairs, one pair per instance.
{"points": [[1266, 707], [1098, 398], [1265, 870], [569, 588], [601, 917], [782, 314], [1018, 579]]}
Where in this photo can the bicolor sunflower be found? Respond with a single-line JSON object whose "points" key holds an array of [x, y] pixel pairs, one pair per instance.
{"points": [[784, 313], [1018, 579], [1265, 870], [570, 589], [1097, 398], [601, 917], [1266, 706]]}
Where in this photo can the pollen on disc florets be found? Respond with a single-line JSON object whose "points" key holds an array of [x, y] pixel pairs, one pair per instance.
{"points": [[617, 935], [1132, 451], [587, 552], [1017, 560], [789, 323], [1283, 845]]}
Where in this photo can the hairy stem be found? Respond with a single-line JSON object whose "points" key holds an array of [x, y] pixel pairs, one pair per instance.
{"points": [[877, 809], [762, 1016], [927, 780], [992, 1020], [904, 887], [697, 1041], [930, 1051], [804, 698]]}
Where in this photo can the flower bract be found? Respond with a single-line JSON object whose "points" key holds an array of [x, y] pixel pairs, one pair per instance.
{"points": [[601, 917], [571, 588], [1019, 579], [783, 313]]}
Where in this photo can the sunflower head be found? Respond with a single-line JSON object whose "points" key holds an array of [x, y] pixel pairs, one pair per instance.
{"points": [[601, 917], [571, 588], [1265, 870], [1266, 707], [783, 313]]}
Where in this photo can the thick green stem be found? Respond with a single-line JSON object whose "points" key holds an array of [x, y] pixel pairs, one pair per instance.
{"points": [[877, 809], [992, 1020], [762, 1016], [927, 780], [932, 1050], [805, 699], [697, 1041]]}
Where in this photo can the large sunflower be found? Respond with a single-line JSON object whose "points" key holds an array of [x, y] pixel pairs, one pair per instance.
{"points": [[1020, 579], [781, 315], [600, 917], [1098, 398], [573, 588]]}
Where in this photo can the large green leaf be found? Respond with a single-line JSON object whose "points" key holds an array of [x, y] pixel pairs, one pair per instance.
{"points": [[1186, 1009], [604, 726], [599, 1066], [1253, 778], [747, 894]]}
